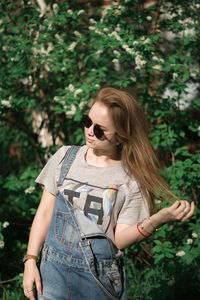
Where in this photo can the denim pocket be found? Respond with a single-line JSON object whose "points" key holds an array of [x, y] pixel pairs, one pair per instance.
{"points": [[111, 279], [66, 230]]}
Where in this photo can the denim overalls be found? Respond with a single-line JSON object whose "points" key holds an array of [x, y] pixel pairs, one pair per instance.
{"points": [[75, 265]]}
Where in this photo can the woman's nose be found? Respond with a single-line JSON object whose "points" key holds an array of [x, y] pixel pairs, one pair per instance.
{"points": [[91, 130]]}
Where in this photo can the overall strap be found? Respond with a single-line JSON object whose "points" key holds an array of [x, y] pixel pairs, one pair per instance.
{"points": [[69, 157]]}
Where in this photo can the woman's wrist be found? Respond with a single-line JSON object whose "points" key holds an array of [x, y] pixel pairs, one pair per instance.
{"points": [[157, 220], [30, 262], [28, 257]]}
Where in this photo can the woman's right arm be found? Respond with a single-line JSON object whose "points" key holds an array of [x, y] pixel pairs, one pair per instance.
{"points": [[38, 233]]}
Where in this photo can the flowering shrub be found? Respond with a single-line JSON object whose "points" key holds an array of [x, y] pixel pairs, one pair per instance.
{"points": [[54, 58]]}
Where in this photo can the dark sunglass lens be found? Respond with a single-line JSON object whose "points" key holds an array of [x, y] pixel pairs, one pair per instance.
{"points": [[98, 132], [87, 122]]}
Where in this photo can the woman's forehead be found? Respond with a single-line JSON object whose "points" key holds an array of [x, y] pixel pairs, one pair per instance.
{"points": [[99, 113]]}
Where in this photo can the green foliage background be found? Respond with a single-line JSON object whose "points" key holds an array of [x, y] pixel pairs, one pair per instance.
{"points": [[54, 59]]}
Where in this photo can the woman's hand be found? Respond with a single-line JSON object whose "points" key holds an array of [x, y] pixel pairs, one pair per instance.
{"points": [[181, 210], [31, 277], [39, 230]]}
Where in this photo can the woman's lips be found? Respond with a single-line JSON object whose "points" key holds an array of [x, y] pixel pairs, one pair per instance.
{"points": [[88, 140]]}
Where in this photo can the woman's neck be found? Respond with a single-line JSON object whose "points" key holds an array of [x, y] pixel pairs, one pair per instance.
{"points": [[101, 158]]}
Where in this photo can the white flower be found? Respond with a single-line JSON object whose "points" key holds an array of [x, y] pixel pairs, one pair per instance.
{"points": [[180, 253], [130, 51], [82, 104], [72, 46], [135, 43], [99, 52], [78, 91], [57, 36], [116, 53], [197, 5], [5, 224], [77, 34], [157, 201], [116, 36], [29, 190], [139, 62], [1, 244], [195, 235], [106, 29], [6, 103], [98, 31], [155, 58], [147, 41], [124, 46], [26, 81], [133, 78], [55, 8], [189, 241], [80, 12], [97, 85], [157, 67], [5, 48], [175, 75], [149, 18], [92, 21], [69, 11], [71, 87], [72, 111], [56, 98], [47, 67], [43, 7], [115, 61], [91, 27]]}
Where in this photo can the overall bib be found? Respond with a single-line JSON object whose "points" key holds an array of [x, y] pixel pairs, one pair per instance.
{"points": [[75, 265]]}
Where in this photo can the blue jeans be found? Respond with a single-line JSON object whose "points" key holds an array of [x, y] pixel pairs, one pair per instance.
{"points": [[77, 267]]}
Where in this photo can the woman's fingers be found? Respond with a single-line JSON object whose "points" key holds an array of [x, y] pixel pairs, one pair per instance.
{"points": [[38, 285], [188, 212], [28, 292], [181, 210]]}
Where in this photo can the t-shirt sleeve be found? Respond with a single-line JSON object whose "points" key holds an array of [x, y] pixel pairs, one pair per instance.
{"points": [[135, 207], [49, 175]]}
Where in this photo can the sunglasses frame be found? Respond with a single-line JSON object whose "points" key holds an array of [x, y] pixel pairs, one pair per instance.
{"points": [[98, 131]]}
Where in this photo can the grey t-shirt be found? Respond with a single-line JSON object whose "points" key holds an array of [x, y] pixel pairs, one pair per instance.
{"points": [[106, 195]]}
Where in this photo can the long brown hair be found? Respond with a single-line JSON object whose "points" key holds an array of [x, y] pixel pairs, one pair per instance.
{"points": [[137, 155]]}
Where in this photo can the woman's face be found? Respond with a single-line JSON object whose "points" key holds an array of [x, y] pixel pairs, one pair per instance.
{"points": [[99, 115]]}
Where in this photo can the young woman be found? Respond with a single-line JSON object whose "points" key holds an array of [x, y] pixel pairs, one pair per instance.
{"points": [[102, 204]]}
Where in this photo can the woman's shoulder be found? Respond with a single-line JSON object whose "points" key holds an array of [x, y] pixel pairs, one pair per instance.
{"points": [[59, 155]]}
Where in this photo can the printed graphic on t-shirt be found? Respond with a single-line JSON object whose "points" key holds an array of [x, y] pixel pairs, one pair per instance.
{"points": [[95, 202]]}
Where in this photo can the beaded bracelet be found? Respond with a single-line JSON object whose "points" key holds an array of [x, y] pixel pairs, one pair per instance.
{"points": [[155, 229]]}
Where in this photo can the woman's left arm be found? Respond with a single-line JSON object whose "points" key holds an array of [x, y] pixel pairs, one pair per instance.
{"points": [[126, 234]]}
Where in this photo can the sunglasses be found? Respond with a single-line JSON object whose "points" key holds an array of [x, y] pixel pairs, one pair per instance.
{"points": [[98, 132]]}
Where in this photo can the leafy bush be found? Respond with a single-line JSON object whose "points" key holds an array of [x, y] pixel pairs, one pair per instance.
{"points": [[54, 59]]}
